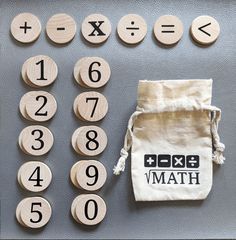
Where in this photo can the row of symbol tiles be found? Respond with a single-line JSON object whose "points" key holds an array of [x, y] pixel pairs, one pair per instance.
{"points": [[96, 28], [35, 212]]}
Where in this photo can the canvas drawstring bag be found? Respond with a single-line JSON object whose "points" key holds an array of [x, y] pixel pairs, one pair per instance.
{"points": [[173, 139]]}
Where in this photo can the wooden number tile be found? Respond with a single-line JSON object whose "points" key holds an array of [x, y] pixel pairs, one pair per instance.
{"points": [[76, 72], [90, 175], [23, 101], [41, 70], [61, 28], [96, 28], [25, 27], [36, 140], [91, 140], [132, 29], [24, 74], [34, 212], [95, 72], [205, 30], [41, 106], [90, 209], [73, 172], [74, 140], [73, 207], [91, 106], [168, 29], [34, 176]]}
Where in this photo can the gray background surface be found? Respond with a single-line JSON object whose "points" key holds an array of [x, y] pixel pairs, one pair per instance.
{"points": [[213, 218]]}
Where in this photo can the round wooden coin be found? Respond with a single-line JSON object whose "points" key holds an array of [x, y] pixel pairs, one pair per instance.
{"points": [[24, 73], [73, 172], [73, 206], [61, 28], [41, 70], [34, 176], [132, 29], [35, 212], [74, 140], [25, 27], [95, 72], [40, 106], [90, 209], [205, 30], [76, 72], [168, 29], [90, 175], [92, 106], [75, 107], [96, 28], [18, 211], [36, 140], [91, 140]]}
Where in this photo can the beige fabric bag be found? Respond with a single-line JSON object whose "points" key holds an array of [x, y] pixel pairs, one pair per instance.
{"points": [[173, 135]]}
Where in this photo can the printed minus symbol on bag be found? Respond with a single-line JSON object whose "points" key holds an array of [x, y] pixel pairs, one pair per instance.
{"points": [[164, 161]]}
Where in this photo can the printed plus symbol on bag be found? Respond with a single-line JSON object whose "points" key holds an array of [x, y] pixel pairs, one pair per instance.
{"points": [[150, 160]]}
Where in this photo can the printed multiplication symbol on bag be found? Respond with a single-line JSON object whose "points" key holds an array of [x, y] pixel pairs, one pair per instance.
{"points": [[172, 169]]}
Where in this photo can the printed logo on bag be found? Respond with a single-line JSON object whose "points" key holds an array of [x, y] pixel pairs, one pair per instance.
{"points": [[172, 169]]}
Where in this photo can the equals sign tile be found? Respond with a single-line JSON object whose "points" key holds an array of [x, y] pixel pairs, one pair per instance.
{"points": [[167, 26]]}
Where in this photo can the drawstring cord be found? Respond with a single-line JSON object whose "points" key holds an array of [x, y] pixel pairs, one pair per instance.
{"points": [[124, 153], [219, 147]]}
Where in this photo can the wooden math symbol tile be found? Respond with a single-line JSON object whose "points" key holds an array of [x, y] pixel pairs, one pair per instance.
{"points": [[38, 106], [25, 27], [90, 175], [90, 209], [34, 176], [91, 106], [96, 28], [35, 140], [61, 28], [168, 29], [33, 212], [205, 30], [41, 71], [91, 140], [94, 72], [132, 29]]}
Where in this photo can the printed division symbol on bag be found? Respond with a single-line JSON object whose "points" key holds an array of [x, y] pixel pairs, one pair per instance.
{"points": [[150, 160], [164, 160], [192, 161], [178, 161]]}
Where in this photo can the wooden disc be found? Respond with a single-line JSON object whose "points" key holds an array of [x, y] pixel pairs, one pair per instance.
{"points": [[92, 106], [73, 206], [24, 73], [95, 72], [18, 211], [132, 29], [73, 172], [34, 176], [74, 140], [41, 70], [25, 27], [90, 209], [76, 72], [90, 175], [75, 107], [40, 106], [35, 212], [205, 30], [61, 28], [96, 28], [168, 29], [36, 140], [91, 140]]}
